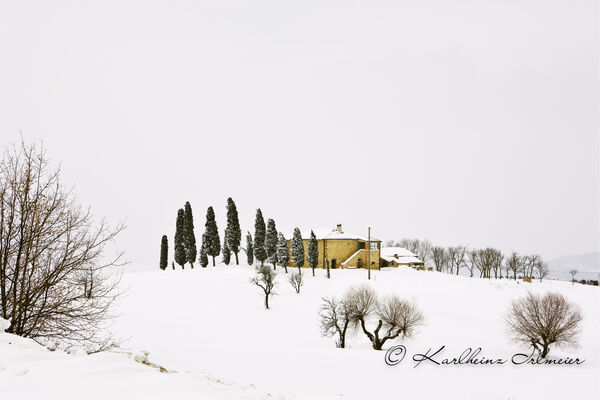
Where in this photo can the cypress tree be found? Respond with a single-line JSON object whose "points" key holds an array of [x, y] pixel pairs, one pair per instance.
{"points": [[203, 258], [271, 242], [189, 236], [249, 249], [313, 252], [297, 249], [226, 253], [180, 256], [164, 253], [259, 237], [283, 253], [212, 242], [233, 233]]}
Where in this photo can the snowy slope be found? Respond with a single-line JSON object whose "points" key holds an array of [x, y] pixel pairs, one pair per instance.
{"points": [[29, 371], [212, 320]]}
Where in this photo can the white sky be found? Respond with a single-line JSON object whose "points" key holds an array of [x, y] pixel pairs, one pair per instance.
{"points": [[466, 122]]}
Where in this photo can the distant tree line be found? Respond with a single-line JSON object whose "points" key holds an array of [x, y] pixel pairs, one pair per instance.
{"points": [[486, 262]]}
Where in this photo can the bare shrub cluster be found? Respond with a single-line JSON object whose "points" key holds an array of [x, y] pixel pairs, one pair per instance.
{"points": [[296, 281], [393, 317], [543, 320]]}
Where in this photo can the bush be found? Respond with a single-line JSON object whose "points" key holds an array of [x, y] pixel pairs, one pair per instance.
{"points": [[395, 317], [296, 281], [265, 279], [541, 321]]}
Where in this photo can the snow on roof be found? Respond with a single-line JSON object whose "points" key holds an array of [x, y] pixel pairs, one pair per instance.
{"points": [[330, 234], [399, 255], [397, 252]]}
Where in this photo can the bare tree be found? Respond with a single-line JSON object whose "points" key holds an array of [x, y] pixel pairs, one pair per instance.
{"points": [[542, 269], [296, 281], [439, 258], [456, 258], [514, 264], [573, 272], [424, 250], [472, 261], [335, 319], [488, 260], [54, 281], [394, 316], [265, 279], [541, 321], [411, 245], [529, 263], [497, 263]]}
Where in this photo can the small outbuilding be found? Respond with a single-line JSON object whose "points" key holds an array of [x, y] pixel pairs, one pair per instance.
{"points": [[399, 257]]}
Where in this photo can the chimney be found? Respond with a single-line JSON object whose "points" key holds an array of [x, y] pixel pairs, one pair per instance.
{"points": [[339, 228]]}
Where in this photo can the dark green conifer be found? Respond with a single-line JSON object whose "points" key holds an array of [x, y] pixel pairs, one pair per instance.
{"points": [[297, 249], [313, 252], [249, 249], [259, 237], [212, 242], [233, 233], [180, 256], [189, 236], [271, 242], [164, 252]]}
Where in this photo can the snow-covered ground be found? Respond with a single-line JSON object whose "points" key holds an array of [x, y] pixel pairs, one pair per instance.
{"points": [[29, 371], [213, 320], [210, 322]]}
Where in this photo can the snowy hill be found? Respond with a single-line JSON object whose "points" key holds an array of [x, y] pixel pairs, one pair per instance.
{"points": [[29, 371], [212, 320], [587, 265]]}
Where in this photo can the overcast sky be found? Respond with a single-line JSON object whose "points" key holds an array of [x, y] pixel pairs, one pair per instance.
{"points": [[465, 122]]}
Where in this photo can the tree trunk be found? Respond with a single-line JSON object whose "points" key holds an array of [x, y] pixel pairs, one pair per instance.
{"points": [[545, 349], [313, 272], [267, 301], [342, 333], [237, 261], [213, 257]]}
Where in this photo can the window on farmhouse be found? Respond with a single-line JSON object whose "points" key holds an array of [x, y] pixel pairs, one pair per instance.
{"points": [[373, 245]]}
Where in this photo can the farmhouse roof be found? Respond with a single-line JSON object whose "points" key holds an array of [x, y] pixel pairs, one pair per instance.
{"points": [[332, 234]]}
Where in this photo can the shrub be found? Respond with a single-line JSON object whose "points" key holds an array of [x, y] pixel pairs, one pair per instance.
{"points": [[541, 321]]}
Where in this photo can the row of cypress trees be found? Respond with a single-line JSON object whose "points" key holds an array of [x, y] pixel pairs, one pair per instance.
{"points": [[185, 250], [267, 244], [271, 246]]}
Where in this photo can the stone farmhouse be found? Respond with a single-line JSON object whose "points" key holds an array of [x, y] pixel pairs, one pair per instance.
{"points": [[342, 249]]}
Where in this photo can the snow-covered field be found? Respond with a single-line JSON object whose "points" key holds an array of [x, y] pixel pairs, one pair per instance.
{"points": [[211, 322]]}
